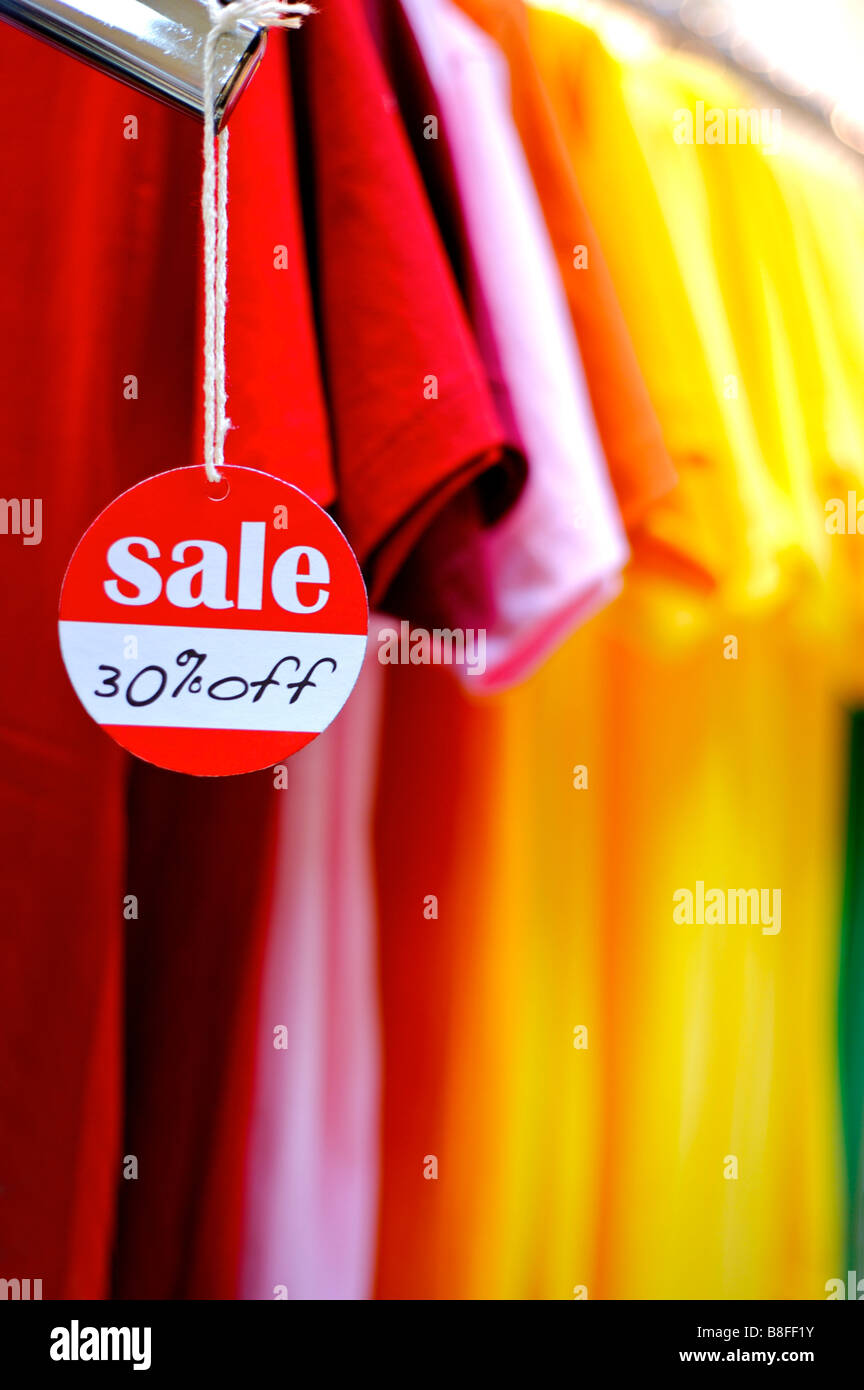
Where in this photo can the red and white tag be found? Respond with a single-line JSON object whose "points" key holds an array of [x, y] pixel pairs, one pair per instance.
{"points": [[213, 636]]}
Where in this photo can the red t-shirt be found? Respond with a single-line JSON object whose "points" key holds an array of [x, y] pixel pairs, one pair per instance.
{"points": [[390, 313], [99, 279]]}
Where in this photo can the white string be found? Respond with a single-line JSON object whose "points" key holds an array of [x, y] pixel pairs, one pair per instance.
{"points": [[214, 208]]}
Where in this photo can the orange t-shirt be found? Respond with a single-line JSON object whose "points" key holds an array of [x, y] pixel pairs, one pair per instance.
{"points": [[639, 463]]}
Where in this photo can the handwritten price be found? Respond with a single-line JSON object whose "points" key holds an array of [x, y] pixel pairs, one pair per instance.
{"points": [[193, 683]]}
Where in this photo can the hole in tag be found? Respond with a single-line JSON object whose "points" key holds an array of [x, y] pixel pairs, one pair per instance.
{"points": [[218, 492]]}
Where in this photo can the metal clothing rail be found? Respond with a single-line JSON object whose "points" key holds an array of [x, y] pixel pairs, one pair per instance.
{"points": [[156, 46]]}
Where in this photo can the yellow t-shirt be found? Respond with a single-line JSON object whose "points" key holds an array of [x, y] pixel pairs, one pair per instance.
{"points": [[704, 242], [631, 1107]]}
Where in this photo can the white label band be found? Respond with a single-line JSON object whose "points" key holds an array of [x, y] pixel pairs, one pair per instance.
{"points": [[210, 677]]}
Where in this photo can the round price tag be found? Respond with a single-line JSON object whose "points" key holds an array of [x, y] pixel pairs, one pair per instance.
{"points": [[213, 628]]}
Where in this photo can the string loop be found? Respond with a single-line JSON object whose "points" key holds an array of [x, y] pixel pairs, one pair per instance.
{"points": [[214, 210]]}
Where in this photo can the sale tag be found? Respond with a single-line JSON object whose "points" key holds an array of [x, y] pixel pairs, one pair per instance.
{"points": [[213, 634]]}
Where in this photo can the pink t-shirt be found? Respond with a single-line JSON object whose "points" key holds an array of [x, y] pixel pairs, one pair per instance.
{"points": [[312, 1163], [557, 555]]}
